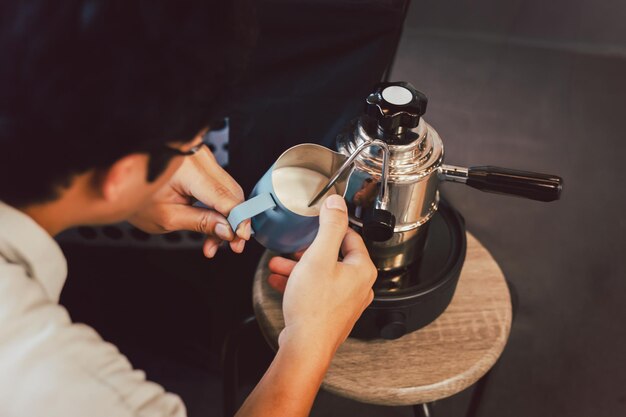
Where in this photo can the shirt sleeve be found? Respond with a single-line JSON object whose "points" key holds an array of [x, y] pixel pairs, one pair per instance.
{"points": [[50, 366]]}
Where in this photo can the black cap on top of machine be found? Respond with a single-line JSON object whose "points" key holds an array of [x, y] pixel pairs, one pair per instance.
{"points": [[396, 106]]}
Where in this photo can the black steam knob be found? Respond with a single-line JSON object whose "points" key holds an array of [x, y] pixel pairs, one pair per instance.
{"points": [[396, 106], [392, 325], [378, 225]]}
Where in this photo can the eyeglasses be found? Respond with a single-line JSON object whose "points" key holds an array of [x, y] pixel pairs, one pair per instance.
{"points": [[160, 158]]}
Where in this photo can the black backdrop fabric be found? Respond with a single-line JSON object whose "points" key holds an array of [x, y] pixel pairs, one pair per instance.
{"points": [[315, 63]]}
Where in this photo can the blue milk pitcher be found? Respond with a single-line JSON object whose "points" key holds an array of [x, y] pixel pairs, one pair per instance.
{"points": [[278, 204]]}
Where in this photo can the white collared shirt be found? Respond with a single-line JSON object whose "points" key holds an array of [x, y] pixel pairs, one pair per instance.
{"points": [[50, 366]]}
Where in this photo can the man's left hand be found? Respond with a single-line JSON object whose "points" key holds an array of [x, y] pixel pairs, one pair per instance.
{"points": [[199, 178]]}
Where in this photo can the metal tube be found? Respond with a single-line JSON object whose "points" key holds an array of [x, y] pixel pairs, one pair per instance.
{"points": [[453, 173], [382, 199]]}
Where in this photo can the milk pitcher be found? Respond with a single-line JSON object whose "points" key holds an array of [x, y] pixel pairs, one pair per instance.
{"points": [[282, 220]]}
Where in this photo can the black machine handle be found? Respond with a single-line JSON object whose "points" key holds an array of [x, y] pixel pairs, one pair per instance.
{"points": [[378, 225], [532, 185]]}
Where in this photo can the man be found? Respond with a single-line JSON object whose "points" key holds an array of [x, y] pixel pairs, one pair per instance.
{"points": [[102, 109]]}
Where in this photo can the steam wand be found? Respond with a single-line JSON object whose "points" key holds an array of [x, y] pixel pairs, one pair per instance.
{"points": [[383, 199]]}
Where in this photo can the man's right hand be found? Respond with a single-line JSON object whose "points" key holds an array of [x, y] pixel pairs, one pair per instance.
{"points": [[323, 297]]}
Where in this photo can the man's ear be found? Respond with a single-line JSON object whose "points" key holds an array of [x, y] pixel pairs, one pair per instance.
{"points": [[125, 174]]}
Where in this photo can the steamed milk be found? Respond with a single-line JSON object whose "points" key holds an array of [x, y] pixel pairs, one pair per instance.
{"points": [[296, 186]]}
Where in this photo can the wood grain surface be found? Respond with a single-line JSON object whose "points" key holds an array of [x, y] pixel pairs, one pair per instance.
{"points": [[435, 362]]}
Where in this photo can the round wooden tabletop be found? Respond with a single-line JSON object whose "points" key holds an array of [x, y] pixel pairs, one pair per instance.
{"points": [[432, 363]]}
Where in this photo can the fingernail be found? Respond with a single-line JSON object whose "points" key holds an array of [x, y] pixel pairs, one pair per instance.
{"points": [[223, 231], [212, 249], [241, 245], [244, 231], [336, 202]]}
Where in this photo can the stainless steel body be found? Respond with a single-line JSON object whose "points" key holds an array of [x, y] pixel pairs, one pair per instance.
{"points": [[412, 186]]}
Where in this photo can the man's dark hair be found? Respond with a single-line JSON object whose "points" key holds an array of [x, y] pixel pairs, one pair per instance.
{"points": [[85, 82]]}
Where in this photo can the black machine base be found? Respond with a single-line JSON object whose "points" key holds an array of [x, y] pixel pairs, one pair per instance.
{"points": [[432, 281]]}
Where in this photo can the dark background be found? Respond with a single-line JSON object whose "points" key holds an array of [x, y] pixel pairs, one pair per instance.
{"points": [[522, 84], [541, 86]]}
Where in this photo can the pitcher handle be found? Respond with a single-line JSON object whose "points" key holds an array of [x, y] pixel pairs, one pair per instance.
{"points": [[250, 208]]}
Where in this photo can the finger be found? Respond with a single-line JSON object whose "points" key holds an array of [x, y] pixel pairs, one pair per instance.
{"points": [[210, 247], [278, 282], [209, 164], [244, 230], [197, 219], [353, 249], [217, 188], [332, 229], [282, 266], [237, 245], [207, 182], [368, 299]]}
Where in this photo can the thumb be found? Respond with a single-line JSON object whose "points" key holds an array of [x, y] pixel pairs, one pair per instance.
{"points": [[200, 220], [332, 230]]}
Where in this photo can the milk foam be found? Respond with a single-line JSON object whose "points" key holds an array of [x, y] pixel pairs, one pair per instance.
{"points": [[296, 186]]}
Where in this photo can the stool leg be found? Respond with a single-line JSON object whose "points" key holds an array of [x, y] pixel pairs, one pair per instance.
{"points": [[477, 395], [422, 410], [230, 365]]}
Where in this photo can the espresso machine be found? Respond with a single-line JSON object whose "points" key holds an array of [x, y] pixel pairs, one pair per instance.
{"points": [[415, 239]]}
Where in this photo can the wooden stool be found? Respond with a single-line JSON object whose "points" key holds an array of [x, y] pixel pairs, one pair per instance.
{"points": [[433, 363]]}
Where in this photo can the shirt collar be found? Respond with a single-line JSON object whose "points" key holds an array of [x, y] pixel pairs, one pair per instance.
{"points": [[24, 242]]}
